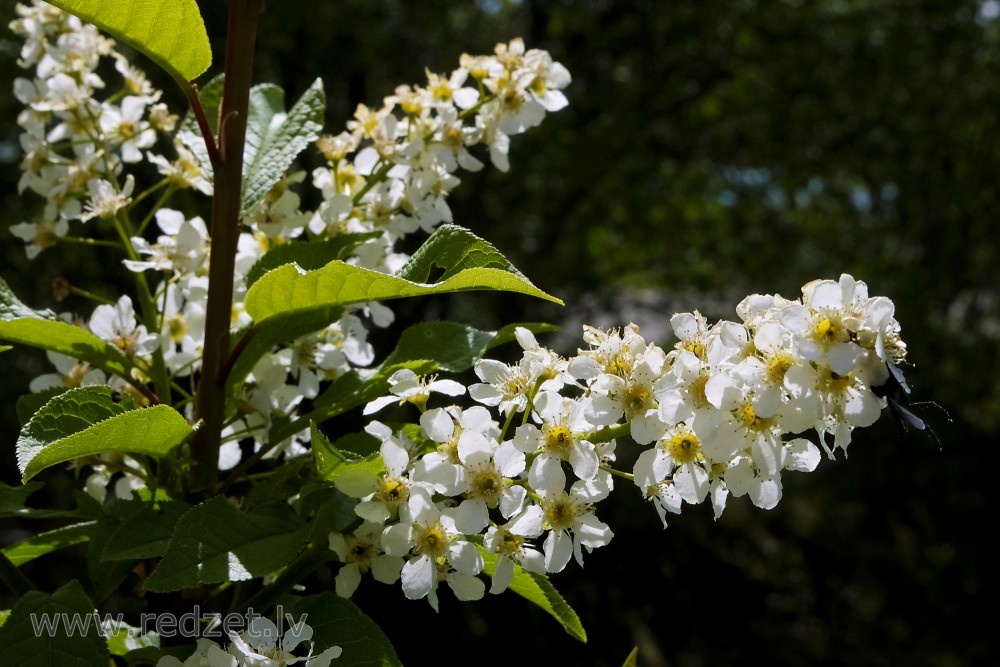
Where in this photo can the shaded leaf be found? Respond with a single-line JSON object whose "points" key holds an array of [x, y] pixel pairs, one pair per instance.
{"points": [[66, 339], [338, 622], [13, 499], [275, 138], [86, 421], [216, 542], [26, 643], [145, 533]]}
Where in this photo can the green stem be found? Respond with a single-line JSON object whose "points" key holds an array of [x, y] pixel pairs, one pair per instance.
{"points": [[156, 207], [90, 295], [609, 433], [85, 241], [146, 193], [242, 32], [618, 473]]}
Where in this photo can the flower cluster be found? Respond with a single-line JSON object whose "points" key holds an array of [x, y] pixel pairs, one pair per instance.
{"points": [[724, 412], [511, 482], [388, 175], [76, 147], [391, 171]]}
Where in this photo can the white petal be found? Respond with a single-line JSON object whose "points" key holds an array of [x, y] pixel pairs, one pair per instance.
{"points": [[418, 577], [386, 569], [502, 575], [465, 557], [466, 587], [347, 580], [803, 455], [766, 493], [471, 517], [583, 458], [558, 550]]}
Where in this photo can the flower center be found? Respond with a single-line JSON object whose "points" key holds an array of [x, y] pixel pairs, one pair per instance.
{"points": [[431, 540], [749, 419], [393, 491], [487, 483], [558, 439], [684, 446], [560, 511], [777, 367]]}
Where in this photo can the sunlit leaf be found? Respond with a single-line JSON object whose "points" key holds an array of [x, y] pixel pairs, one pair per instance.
{"points": [[171, 32], [86, 421], [32, 547]]}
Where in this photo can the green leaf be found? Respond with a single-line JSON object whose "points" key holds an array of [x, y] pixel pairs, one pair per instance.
{"points": [[29, 644], [215, 542], [4, 348], [32, 547], [13, 498], [106, 576], [632, 660], [66, 339], [338, 622], [451, 346], [538, 589], [86, 421], [329, 456], [309, 255], [29, 404], [145, 533], [467, 264], [288, 290], [453, 249], [275, 138], [171, 32], [358, 479]]}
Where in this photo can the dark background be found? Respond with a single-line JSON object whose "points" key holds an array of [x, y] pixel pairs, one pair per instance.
{"points": [[710, 150]]}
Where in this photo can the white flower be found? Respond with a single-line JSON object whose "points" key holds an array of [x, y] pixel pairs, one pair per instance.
{"points": [[561, 438], [105, 200], [407, 387], [572, 525], [509, 543], [440, 550], [362, 552], [259, 647], [117, 325]]}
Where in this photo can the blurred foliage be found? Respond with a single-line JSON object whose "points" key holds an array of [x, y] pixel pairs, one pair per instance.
{"points": [[710, 150]]}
